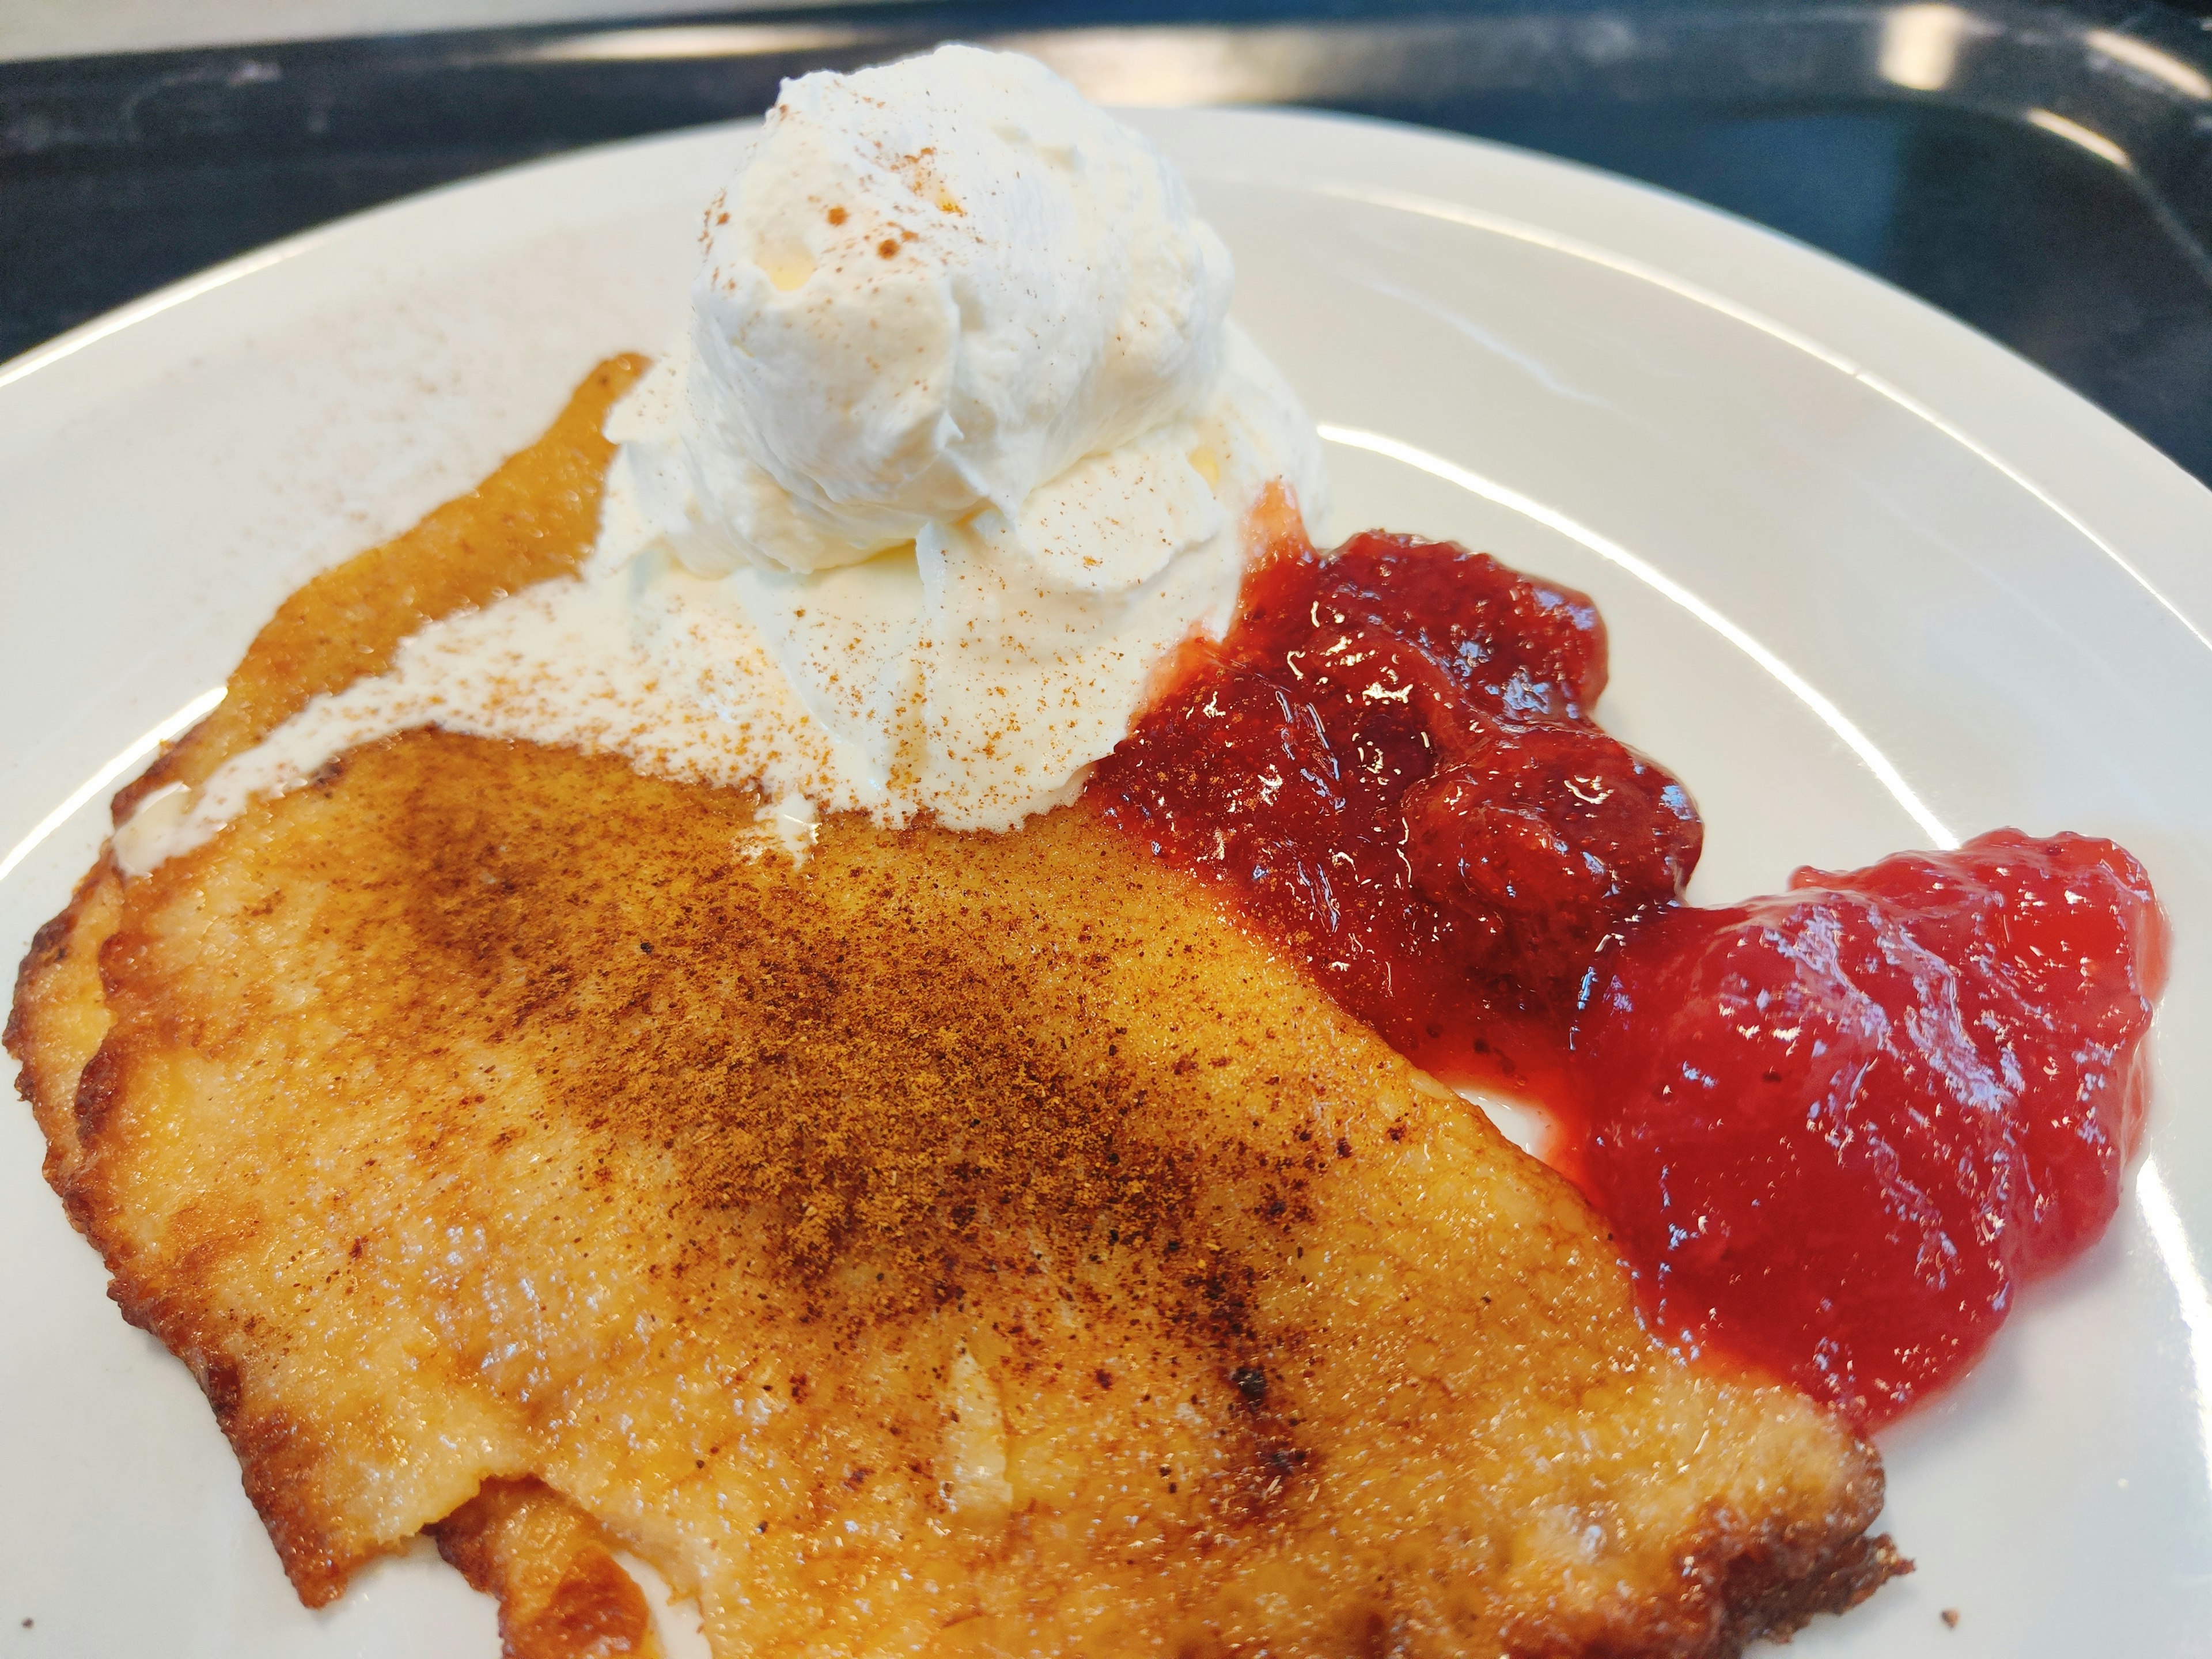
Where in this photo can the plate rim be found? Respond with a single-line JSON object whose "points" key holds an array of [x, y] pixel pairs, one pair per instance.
{"points": [[2174, 499], [2137, 506]]}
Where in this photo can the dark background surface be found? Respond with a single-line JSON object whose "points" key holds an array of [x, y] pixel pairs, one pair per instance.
{"points": [[118, 175]]}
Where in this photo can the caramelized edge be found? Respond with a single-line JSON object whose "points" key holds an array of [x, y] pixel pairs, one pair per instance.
{"points": [[562, 1592], [535, 517]]}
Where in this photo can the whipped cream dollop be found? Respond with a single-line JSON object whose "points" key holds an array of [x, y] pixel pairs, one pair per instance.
{"points": [[934, 287], [962, 427], [960, 446]]}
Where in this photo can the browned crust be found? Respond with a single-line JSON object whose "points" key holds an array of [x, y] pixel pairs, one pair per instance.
{"points": [[274, 1452], [562, 1594], [1740, 1583], [59, 1017], [59, 1000], [1764, 1596], [534, 519], [59, 1003]]}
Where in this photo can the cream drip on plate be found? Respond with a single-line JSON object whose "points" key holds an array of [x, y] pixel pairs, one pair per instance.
{"points": [[961, 447]]}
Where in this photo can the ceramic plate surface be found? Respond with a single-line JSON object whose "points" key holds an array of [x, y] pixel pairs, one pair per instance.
{"points": [[1872, 582]]}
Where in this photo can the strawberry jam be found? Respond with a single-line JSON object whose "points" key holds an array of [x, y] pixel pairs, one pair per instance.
{"points": [[1832, 1130], [1389, 761], [1835, 1129]]}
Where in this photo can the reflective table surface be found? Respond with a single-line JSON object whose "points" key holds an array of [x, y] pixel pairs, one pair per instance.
{"points": [[2043, 173]]}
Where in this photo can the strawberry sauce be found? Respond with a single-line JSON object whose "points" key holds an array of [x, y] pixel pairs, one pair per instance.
{"points": [[1832, 1130]]}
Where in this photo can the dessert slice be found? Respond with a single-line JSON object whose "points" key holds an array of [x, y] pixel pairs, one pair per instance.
{"points": [[949, 1242]]}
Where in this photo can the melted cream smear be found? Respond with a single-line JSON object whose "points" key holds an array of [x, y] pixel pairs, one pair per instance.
{"points": [[972, 671], [969, 685]]}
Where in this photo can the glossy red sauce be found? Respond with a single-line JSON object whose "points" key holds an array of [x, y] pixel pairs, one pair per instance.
{"points": [[1832, 1130], [1390, 761], [1835, 1130]]}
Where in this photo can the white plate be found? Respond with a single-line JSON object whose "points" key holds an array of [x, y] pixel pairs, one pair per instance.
{"points": [[1870, 581]]}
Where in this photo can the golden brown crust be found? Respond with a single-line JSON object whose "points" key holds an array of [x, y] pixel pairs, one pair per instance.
{"points": [[533, 519], [59, 1015], [1743, 1581], [1003, 1173], [957, 1243], [562, 1592]]}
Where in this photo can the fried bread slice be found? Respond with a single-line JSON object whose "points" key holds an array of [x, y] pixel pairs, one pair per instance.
{"points": [[953, 1243]]}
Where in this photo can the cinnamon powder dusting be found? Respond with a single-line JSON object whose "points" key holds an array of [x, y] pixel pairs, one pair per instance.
{"points": [[863, 1093]]}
